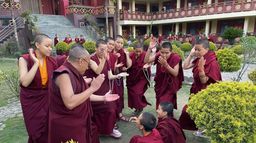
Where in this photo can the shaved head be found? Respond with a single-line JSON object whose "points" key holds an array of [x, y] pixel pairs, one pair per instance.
{"points": [[77, 51]]}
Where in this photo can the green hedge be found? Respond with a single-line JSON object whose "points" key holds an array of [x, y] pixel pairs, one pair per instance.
{"points": [[212, 46], [227, 111], [177, 43], [90, 46], [61, 47], [238, 49], [252, 76], [186, 47], [177, 50], [228, 60]]}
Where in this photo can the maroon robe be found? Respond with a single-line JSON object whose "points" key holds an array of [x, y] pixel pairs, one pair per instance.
{"points": [[34, 101], [104, 113], [66, 124], [212, 70], [153, 137], [56, 41], [137, 82], [119, 84], [68, 40], [170, 130], [167, 85], [81, 41], [77, 40]]}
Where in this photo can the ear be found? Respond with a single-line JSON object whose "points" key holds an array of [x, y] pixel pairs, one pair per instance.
{"points": [[165, 113], [36, 44], [141, 127]]}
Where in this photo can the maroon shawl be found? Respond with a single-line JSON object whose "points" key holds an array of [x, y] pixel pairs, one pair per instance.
{"points": [[212, 70], [170, 130], [104, 114], [137, 82], [34, 102], [65, 124], [153, 137], [167, 85]]}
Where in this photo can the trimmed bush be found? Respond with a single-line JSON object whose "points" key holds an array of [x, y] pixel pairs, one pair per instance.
{"points": [[177, 43], [227, 111], [238, 49], [252, 76], [146, 42], [177, 50], [61, 48], [228, 60], [90, 46], [231, 33], [212, 46], [71, 44], [130, 49], [186, 47]]}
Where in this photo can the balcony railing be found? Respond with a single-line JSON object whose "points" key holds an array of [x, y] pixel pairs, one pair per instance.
{"points": [[78, 9], [201, 10]]}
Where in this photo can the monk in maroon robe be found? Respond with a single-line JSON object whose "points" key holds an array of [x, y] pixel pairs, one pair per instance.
{"points": [[146, 122], [68, 39], [123, 63], [168, 127], [81, 40], [206, 71], [77, 40], [104, 113], [169, 73], [56, 40], [35, 71], [70, 109], [138, 81]]}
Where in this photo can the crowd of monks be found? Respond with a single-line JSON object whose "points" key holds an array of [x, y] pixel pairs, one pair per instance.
{"points": [[78, 97], [68, 39]]}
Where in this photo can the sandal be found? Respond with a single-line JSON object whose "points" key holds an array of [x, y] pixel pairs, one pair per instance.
{"points": [[123, 118]]}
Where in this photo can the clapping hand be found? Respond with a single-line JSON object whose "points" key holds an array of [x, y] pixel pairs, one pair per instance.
{"points": [[192, 52], [96, 82], [111, 97]]}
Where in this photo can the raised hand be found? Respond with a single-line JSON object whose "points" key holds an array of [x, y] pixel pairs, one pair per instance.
{"points": [[32, 55], [192, 52], [123, 74], [111, 97], [152, 43], [96, 82], [162, 61], [87, 80], [119, 65], [147, 65], [133, 119], [201, 63]]}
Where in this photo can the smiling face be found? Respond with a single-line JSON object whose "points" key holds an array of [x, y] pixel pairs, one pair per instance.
{"points": [[160, 112], [111, 45], [101, 50], [165, 53], [44, 47], [119, 43], [200, 50]]}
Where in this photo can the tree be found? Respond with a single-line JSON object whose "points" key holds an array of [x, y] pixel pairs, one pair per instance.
{"points": [[231, 33]]}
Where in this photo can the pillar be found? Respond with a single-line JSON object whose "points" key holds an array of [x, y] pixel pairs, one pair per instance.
{"points": [[160, 29], [184, 28], [148, 7], [177, 28], [178, 4], [133, 5], [246, 25], [134, 31], [207, 28], [160, 5], [209, 1], [251, 24], [119, 27], [148, 29]]}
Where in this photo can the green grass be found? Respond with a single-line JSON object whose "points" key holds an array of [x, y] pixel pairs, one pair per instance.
{"points": [[14, 131], [7, 64]]}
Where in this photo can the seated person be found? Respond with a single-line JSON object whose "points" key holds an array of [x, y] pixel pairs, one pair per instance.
{"points": [[146, 122], [168, 127]]}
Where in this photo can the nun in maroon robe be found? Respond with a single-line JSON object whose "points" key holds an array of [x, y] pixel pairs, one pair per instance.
{"points": [[153, 137], [56, 40], [104, 114], [146, 122], [138, 80], [167, 85], [34, 102], [34, 96], [168, 127], [212, 71]]}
